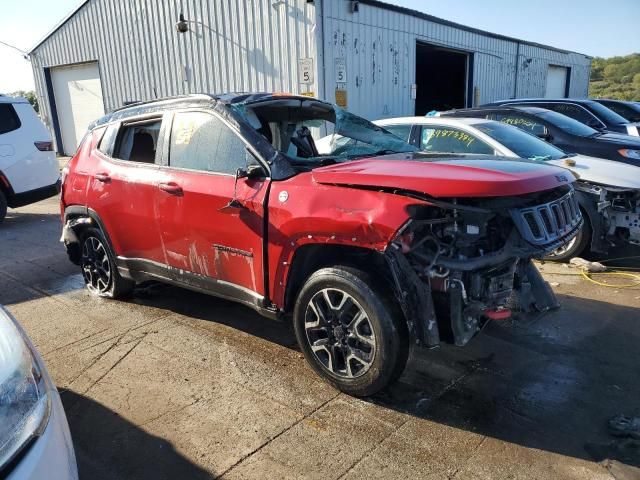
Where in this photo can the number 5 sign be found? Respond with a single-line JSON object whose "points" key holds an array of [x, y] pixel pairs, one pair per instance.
{"points": [[341, 70], [305, 70]]}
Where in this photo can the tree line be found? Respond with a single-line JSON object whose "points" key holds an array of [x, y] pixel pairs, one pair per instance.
{"points": [[616, 77]]}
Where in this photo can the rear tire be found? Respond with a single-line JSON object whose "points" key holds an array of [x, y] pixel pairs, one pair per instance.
{"points": [[3, 206], [576, 246], [350, 335], [99, 269]]}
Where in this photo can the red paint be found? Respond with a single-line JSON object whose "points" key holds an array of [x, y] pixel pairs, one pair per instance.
{"points": [[193, 222], [447, 178], [502, 314], [178, 217]]}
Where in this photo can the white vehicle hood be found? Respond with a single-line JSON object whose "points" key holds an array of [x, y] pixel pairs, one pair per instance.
{"points": [[601, 171]]}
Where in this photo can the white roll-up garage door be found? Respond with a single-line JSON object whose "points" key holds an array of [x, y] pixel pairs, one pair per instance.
{"points": [[78, 95], [556, 82]]}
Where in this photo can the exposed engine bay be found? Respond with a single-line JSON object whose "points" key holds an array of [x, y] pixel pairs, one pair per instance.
{"points": [[475, 256], [619, 211]]}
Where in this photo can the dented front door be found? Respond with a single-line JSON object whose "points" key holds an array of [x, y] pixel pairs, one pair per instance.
{"points": [[206, 243]]}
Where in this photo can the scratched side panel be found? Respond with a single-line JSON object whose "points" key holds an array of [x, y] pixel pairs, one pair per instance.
{"points": [[326, 214]]}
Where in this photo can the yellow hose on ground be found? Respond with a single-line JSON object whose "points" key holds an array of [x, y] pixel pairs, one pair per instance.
{"points": [[587, 275]]}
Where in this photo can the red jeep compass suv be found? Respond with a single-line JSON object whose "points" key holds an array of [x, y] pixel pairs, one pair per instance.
{"points": [[370, 248]]}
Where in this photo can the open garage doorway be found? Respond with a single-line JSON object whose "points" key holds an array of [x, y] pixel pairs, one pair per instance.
{"points": [[442, 78]]}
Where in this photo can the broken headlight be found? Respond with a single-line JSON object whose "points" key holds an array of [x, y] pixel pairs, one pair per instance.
{"points": [[24, 399]]}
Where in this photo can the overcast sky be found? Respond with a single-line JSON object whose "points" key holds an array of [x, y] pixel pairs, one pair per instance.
{"points": [[592, 27]]}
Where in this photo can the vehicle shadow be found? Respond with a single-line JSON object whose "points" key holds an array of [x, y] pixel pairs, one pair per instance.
{"points": [[550, 382], [547, 382], [205, 307], [18, 219], [111, 448]]}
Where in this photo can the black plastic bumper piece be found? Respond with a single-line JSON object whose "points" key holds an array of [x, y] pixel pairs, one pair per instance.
{"points": [[16, 200]]}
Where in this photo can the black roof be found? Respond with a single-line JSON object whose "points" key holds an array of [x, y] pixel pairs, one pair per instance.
{"points": [[489, 107], [584, 101], [179, 101]]}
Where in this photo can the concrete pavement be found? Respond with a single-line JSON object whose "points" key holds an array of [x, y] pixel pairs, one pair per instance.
{"points": [[174, 384]]}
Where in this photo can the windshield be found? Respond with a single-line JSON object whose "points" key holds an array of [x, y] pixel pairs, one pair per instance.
{"points": [[567, 124], [312, 133], [519, 142], [605, 114]]}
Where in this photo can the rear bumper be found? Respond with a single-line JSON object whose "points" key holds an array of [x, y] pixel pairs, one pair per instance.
{"points": [[21, 199]]}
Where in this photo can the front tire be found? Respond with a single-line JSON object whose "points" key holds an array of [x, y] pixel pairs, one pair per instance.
{"points": [[576, 246], [3, 207], [348, 333], [99, 270]]}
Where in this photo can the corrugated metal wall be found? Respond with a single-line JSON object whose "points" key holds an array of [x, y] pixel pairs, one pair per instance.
{"points": [[252, 45], [232, 45], [380, 50]]}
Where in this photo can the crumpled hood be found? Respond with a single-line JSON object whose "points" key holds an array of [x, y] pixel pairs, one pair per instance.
{"points": [[446, 176], [601, 171]]}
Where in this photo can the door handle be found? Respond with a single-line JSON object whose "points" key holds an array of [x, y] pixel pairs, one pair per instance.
{"points": [[102, 177], [171, 187]]}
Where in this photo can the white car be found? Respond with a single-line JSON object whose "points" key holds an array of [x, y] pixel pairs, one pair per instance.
{"points": [[608, 191], [34, 435], [29, 170]]}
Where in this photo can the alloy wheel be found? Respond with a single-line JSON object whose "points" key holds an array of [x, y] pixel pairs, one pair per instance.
{"points": [[339, 333], [95, 266], [565, 248]]}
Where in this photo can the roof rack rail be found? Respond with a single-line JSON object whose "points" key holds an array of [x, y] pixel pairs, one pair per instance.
{"points": [[135, 103]]}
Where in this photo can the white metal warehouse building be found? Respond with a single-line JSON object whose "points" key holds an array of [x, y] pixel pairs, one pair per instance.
{"points": [[378, 59]]}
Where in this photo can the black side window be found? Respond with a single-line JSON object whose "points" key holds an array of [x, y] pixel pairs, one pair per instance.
{"points": [[201, 141], [9, 120], [137, 142], [574, 111], [107, 140], [527, 124]]}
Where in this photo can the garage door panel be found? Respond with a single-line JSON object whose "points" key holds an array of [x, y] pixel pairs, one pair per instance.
{"points": [[78, 95], [556, 82]]}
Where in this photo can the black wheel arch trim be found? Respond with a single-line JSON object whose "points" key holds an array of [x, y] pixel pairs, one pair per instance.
{"points": [[598, 242], [74, 212], [142, 270]]}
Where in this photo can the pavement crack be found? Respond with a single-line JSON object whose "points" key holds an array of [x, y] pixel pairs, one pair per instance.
{"points": [[114, 365], [257, 449], [366, 453], [46, 354], [473, 453]]}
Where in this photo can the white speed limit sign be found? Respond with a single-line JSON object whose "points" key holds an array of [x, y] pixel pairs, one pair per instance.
{"points": [[305, 70]]}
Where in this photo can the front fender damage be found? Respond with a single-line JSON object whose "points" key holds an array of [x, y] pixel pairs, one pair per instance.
{"points": [[453, 268]]}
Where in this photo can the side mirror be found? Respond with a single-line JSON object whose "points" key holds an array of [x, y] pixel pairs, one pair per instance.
{"points": [[544, 135], [251, 172]]}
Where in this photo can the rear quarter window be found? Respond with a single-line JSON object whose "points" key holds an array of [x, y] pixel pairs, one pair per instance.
{"points": [[9, 120]]}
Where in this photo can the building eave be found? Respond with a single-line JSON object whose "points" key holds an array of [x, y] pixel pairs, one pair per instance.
{"points": [[448, 23], [58, 26]]}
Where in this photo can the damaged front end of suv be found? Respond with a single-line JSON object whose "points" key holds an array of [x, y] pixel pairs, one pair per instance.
{"points": [[614, 213], [460, 262]]}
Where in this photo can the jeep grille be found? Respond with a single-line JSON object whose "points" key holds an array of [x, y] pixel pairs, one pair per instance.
{"points": [[549, 222]]}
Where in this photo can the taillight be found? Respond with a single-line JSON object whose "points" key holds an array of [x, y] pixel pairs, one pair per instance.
{"points": [[4, 181], [44, 146]]}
